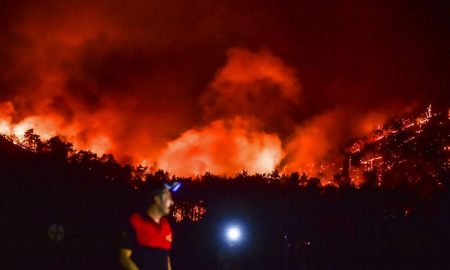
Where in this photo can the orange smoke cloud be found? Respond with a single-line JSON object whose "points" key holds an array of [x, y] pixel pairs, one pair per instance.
{"points": [[146, 80], [253, 84], [223, 147], [247, 73]]}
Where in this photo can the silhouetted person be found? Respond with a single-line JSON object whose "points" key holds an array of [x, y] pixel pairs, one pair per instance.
{"points": [[147, 238]]}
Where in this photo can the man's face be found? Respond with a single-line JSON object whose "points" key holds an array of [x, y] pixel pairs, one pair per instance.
{"points": [[164, 202]]}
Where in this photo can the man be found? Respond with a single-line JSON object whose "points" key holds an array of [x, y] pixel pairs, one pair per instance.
{"points": [[147, 238]]}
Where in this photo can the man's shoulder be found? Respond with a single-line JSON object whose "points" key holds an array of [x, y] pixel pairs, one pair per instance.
{"points": [[134, 215], [138, 217]]}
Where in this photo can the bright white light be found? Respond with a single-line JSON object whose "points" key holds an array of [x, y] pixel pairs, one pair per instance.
{"points": [[234, 234]]}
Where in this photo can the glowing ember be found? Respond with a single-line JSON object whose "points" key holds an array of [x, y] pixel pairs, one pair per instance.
{"points": [[187, 211]]}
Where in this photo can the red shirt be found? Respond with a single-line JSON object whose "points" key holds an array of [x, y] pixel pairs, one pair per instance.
{"points": [[149, 241], [151, 234]]}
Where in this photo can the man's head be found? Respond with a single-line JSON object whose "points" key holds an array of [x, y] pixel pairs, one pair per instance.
{"points": [[158, 196], [163, 202]]}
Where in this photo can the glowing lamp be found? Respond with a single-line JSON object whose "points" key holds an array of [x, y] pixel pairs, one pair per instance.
{"points": [[173, 187], [233, 234]]}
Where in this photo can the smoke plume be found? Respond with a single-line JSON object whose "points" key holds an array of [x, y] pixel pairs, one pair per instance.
{"points": [[220, 87]]}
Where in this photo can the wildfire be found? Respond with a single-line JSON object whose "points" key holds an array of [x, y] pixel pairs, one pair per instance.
{"points": [[229, 146], [166, 83]]}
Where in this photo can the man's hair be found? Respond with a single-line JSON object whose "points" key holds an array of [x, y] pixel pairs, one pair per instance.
{"points": [[153, 188]]}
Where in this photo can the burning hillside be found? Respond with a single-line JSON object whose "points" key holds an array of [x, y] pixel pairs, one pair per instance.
{"points": [[221, 88], [406, 150]]}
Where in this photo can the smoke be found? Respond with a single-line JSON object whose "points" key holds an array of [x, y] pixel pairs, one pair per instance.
{"points": [[248, 95], [151, 80], [254, 84], [257, 85]]}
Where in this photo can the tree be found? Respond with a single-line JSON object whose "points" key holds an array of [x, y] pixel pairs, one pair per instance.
{"points": [[32, 141], [58, 149]]}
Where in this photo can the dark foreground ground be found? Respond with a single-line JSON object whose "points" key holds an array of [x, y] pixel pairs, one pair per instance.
{"points": [[316, 232]]}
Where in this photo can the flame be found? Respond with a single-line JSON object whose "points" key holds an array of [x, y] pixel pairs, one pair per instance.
{"points": [[44, 126], [225, 146]]}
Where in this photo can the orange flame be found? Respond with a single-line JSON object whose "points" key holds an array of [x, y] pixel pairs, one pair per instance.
{"points": [[225, 147]]}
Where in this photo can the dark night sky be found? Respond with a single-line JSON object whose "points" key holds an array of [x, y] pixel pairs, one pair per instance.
{"points": [[177, 82]]}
